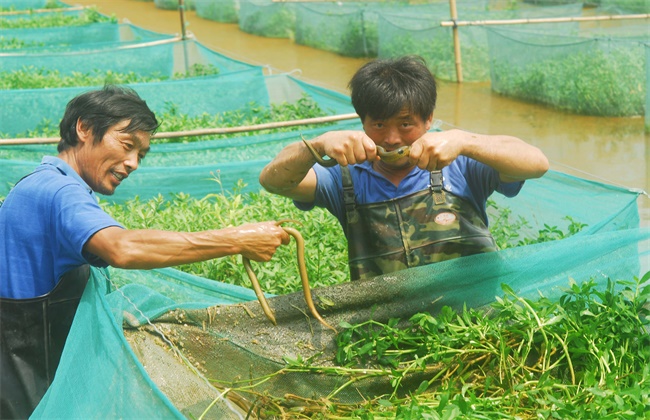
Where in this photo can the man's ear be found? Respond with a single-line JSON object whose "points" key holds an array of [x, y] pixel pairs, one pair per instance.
{"points": [[84, 133], [429, 121]]}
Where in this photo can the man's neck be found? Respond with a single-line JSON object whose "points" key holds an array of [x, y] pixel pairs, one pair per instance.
{"points": [[394, 174]]}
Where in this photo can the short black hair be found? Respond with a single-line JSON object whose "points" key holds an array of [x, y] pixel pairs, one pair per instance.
{"points": [[382, 88], [102, 109]]}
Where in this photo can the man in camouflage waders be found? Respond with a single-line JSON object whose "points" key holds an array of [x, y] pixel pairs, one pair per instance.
{"points": [[405, 196]]}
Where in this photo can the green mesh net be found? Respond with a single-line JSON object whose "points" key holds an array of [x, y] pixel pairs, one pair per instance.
{"points": [[417, 30], [172, 343], [173, 4], [602, 76], [94, 36], [30, 4], [267, 18], [45, 15], [226, 11], [235, 83], [623, 6], [167, 344]]}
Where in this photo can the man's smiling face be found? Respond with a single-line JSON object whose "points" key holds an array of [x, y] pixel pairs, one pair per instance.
{"points": [[105, 164]]}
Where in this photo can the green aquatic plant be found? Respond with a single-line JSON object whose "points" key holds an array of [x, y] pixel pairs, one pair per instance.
{"points": [[602, 80], [56, 19], [14, 43], [32, 77], [324, 241], [583, 355]]}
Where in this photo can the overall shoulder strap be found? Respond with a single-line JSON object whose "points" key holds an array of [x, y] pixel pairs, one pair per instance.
{"points": [[436, 187], [348, 195]]}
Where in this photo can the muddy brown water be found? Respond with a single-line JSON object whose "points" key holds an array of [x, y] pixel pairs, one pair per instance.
{"points": [[611, 150]]}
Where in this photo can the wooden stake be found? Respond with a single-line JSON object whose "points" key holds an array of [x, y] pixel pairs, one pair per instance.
{"points": [[459, 65], [181, 10]]}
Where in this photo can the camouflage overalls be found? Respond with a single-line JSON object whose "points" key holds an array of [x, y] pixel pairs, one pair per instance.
{"points": [[420, 228]]}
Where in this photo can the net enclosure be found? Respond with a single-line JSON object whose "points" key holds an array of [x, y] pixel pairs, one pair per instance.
{"points": [[93, 37], [165, 343], [168, 344], [578, 74], [226, 11], [174, 343], [13, 5]]}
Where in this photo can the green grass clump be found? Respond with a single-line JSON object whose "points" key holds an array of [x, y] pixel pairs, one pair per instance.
{"points": [[437, 50], [56, 19], [325, 245], [32, 77], [508, 232], [14, 43], [602, 82], [173, 120]]}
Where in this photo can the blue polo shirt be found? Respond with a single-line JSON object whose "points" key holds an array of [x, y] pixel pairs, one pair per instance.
{"points": [[45, 222], [465, 178]]}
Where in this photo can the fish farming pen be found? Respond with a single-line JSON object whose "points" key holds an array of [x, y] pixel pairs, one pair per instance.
{"points": [[555, 324], [470, 42]]}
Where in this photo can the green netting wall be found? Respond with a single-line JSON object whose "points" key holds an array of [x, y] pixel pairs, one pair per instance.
{"points": [[351, 29], [50, 103], [182, 332], [601, 76], [236, 85], [336, 27], [624, 6], [267, 18], [36, 16], [94, 36], [147, 60], [406, 31], [348, 29], [173, 4], [163, 336], [226, 11], [207, 158], [28, 4]]}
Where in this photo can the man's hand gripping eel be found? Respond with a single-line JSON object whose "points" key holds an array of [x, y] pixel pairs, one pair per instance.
{"points": [[391, 156], [300, 243]]}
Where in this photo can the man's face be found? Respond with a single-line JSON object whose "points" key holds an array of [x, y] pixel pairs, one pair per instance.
{"points": [[105, 164], [402, 129]]}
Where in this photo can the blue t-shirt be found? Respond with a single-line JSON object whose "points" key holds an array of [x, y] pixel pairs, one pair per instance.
{"points": [[465, 178], [45, 222]]}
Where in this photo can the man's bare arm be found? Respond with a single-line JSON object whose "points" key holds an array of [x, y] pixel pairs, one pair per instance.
{"points": [[514, 159], [149, 248], [290, 173]]}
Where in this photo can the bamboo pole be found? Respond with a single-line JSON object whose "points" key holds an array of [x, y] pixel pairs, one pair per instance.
{"points": [[459, 65], [181, 10], [201, 131], [121, 47], [543, 20]]}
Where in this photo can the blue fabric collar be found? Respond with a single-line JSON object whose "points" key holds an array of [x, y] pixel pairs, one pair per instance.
{"points": [[63, 167]]}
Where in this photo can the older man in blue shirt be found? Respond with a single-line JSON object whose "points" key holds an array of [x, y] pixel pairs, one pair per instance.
{"points": [[51, 225]]}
